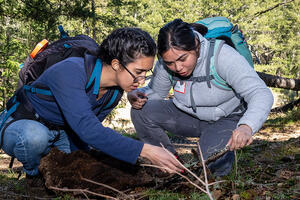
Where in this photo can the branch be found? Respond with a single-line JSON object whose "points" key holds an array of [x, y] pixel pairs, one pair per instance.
{"points": [[204, 169], [194, 175], [280, 82], [286, 107], [104, 185], [271, 8], [186, 178]]}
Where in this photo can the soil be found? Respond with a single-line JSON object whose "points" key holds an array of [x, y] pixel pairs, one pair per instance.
{"points": [[62, 170]]}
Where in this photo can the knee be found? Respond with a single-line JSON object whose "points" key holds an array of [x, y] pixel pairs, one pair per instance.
{"points": [[35, 136], [146, 112]]}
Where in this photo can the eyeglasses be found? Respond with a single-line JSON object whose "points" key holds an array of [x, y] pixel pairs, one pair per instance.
{"points": [[136, 78]]}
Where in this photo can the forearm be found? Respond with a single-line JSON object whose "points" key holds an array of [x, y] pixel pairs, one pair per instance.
{"points": [[258, 109]]}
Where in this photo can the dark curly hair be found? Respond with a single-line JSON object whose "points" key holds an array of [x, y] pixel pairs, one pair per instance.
{"points": [[126, 45]]}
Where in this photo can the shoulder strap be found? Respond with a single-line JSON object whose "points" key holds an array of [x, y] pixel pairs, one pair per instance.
{"points": [[213, 62], [93, 74]]}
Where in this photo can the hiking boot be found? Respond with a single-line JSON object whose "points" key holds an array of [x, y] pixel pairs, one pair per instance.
{"points": [[36, 181]]}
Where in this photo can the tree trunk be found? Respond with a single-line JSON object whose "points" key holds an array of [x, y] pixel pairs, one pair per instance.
{"points": [[280, 82], [94, 19]]}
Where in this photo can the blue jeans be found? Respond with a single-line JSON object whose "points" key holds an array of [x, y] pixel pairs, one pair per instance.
{"points": [[29, 141]]}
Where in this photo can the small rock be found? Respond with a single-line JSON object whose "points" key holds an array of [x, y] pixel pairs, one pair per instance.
{"points": [[280, 184]]}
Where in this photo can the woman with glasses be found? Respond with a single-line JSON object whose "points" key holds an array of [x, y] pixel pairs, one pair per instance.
{"points": [[75, 114], [220, 118]]}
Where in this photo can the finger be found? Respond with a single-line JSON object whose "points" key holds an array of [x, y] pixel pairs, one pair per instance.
{"points": [[141, 101], [167, 167], [233, 143], [137, 106], [174, 165], [243, 143], [229, 142], [249, 141], [141, 95]]}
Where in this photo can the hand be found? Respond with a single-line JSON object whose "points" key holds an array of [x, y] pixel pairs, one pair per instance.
{"points": [[241, 136], [160, 157], [137, 99]]}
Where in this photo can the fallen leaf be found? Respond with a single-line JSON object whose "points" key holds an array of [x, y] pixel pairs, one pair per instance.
{"points": [[235, 197], [217, 194]]}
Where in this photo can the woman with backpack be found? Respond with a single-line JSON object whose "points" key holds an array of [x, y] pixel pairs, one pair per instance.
{"points": [[200, 108], [72, 120]]}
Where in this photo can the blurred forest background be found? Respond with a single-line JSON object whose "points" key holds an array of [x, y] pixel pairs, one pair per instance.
{"points": [[271, 27]]}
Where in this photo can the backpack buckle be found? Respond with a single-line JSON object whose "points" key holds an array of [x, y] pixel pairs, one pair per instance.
{"points": [[33, 90]]}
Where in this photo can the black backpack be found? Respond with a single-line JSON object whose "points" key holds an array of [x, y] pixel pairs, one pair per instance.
{"points": [[57, 51], [47, 56]]}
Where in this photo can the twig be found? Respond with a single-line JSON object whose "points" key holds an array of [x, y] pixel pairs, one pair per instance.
{"points": [[194, 175], [81, 191], [235, 163], [217, 155], [106, 186], [85, 195], [186, 178], [213, 183], [205, 174]]}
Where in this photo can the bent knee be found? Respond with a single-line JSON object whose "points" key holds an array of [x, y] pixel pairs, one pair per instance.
{"points": [[35, 136]]}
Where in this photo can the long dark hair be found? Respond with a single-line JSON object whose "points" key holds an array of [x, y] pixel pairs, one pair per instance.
{"points": [[180, 35], [126, 45], [176, 34]]}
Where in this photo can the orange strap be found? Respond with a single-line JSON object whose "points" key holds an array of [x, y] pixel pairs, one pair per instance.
{"points": [[39, 47]]}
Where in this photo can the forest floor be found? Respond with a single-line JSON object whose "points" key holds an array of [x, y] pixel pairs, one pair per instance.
{"points": [[268, 169]]}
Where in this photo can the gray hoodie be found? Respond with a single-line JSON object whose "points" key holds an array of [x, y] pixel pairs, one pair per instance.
{"points": [[214, 103]]}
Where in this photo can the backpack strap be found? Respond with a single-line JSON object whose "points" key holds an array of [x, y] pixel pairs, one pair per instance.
{"points": [[212, 61], [6, 116], [35, 90], [63, 33], [94, 78], [112, 99]]}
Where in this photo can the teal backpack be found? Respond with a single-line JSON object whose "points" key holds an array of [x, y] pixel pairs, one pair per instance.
{"points": [[221, 27]]}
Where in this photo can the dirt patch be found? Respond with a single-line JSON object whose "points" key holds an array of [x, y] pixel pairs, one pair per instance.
{"points": [[83, 170]]}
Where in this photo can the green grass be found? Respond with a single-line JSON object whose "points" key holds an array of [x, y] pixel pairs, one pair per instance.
{"points": [[167, 195], [289, 118], [9, 179]]}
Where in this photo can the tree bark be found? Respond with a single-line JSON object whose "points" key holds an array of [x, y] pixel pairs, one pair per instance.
{"points": [[280, 82]]}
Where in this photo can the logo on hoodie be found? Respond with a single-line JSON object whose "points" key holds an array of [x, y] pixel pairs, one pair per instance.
{"points": [[180, 87]]}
